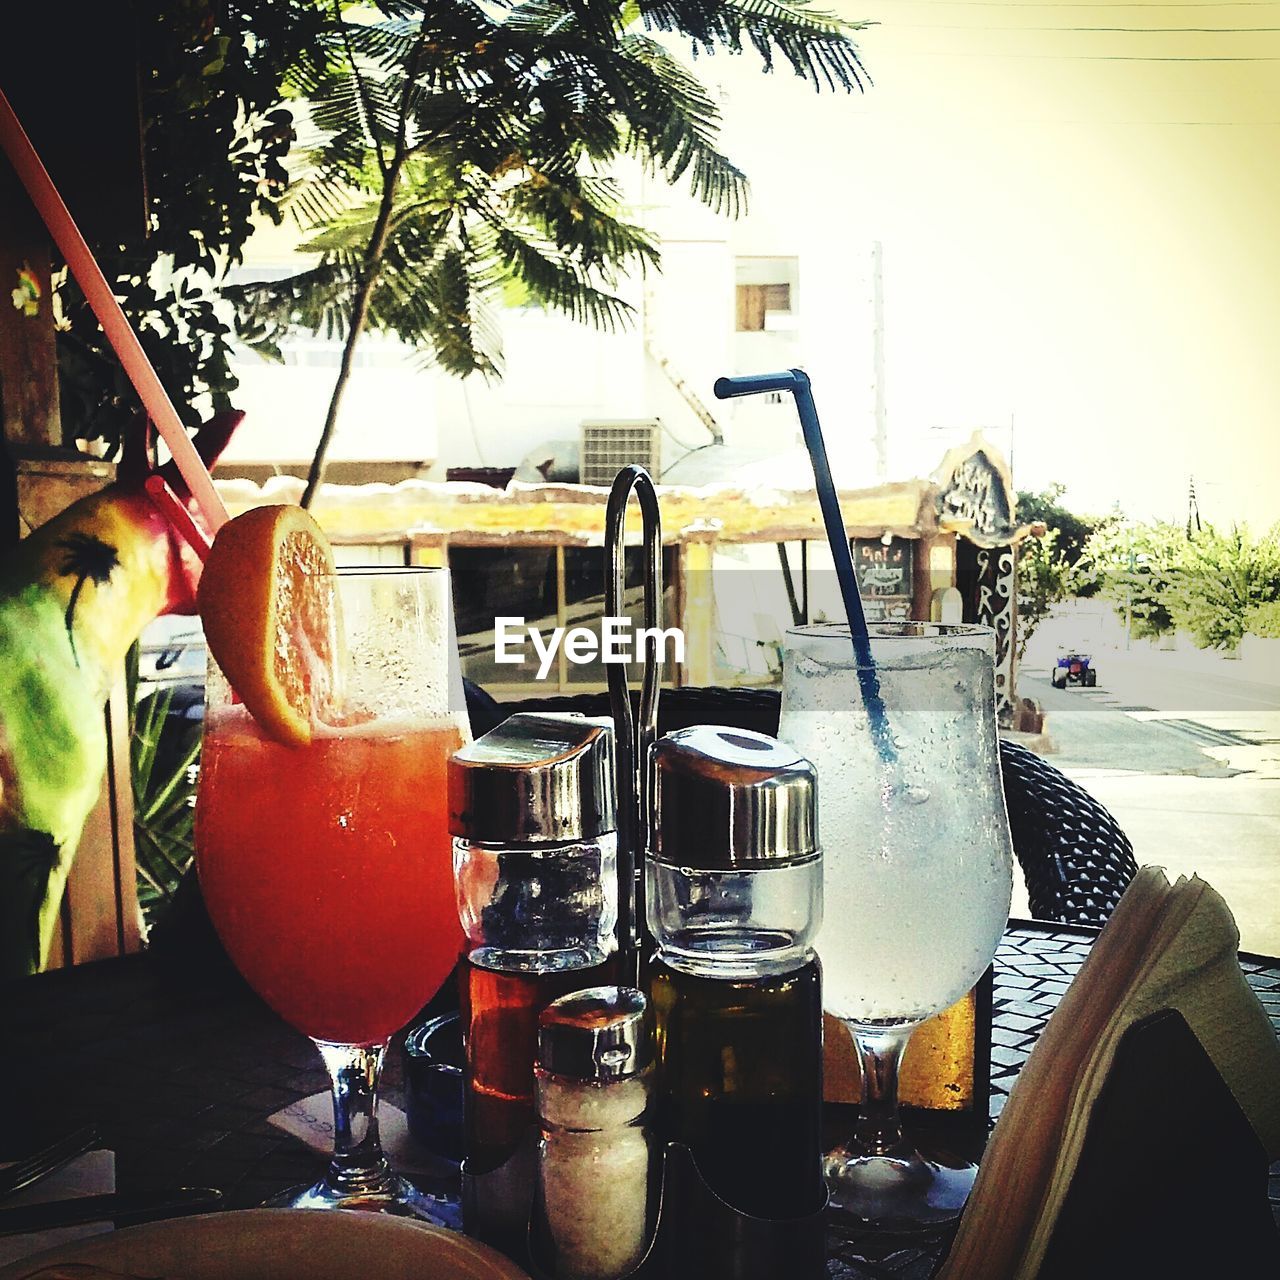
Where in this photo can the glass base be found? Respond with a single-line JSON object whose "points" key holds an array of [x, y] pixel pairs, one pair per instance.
{"points": [[394, 1195], [900, 1191]]}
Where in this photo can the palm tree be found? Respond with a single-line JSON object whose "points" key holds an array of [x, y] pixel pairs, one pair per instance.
{"points": [[466, 151], [90, 560]]}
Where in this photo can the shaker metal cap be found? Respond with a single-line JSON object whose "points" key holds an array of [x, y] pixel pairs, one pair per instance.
{"points": [[538, 778], [600, 1033], [726, 798]]}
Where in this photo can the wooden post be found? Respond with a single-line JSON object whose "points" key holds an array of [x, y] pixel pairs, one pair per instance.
{"points": [[430, 550], [28, 359], [697, 618], [100, 908], [922, 579], [100, 914]]}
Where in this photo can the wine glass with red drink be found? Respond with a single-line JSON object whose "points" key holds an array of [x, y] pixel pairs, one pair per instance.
{"points": [[326, 867]]}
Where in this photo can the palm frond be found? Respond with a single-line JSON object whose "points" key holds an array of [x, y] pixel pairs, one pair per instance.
{"points": [[317, 300], [386, 45], [504, 119], [320, 197], [817, 45], [676, 124], [347, 231], [163, 797], [313, 64], [557, 281], [433, 292], [582, 219], [353, 108]]}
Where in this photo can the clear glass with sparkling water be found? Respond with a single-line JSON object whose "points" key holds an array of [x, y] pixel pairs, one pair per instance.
{"points": [[918, 860]]}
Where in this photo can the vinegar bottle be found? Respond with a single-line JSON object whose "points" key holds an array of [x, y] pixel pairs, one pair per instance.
{"points": [[734, 901]]}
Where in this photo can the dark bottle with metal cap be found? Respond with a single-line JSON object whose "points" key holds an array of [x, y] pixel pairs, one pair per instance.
{"points": [[734, 900], [593, 1077], [531, 809]]}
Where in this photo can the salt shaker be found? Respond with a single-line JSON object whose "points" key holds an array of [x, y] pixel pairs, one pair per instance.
{"points": [[593, 1077]]}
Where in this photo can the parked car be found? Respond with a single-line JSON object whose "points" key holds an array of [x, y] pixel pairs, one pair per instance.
{"points": [[1074, 668], [171, 663], [171, 651]]}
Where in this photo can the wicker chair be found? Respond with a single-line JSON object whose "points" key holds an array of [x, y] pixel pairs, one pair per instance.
{"points": [[1076, 860]]}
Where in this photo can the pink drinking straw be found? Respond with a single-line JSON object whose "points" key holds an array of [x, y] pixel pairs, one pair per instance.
{"points": [[174, 510], [66, 235]]}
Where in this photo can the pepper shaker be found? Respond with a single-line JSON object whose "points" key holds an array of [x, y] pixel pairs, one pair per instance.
{"points": [[531, 808]]}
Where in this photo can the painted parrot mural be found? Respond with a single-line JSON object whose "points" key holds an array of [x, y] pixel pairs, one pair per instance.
{"points": [[74, 596]]}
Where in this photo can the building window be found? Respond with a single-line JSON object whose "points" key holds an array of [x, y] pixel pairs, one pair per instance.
{"points": [[765, 287], [755, 299]]}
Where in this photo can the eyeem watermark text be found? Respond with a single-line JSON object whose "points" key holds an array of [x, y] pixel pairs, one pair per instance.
{"points": [[617, 642]]}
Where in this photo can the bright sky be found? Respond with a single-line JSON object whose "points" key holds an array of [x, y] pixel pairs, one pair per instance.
{"points": [[1080, 212]]}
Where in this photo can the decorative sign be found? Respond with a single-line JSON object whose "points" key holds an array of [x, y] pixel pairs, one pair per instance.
{"points": [[996, 608], [976, 497], [884, 574]]}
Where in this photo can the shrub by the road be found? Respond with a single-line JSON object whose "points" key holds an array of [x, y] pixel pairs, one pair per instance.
{"points": [[1211, 584]]}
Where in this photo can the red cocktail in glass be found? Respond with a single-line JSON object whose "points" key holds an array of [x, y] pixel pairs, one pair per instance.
{"points": [[327, 867]]}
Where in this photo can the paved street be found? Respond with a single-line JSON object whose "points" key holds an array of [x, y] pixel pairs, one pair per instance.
{"points": [[1185, 753], [1091, 731]]}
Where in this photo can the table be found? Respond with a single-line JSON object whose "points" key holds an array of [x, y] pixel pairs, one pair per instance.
{"points": [[181, 1069]]}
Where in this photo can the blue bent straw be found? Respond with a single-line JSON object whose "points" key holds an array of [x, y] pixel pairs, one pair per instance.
{"points": [[796, 381]]}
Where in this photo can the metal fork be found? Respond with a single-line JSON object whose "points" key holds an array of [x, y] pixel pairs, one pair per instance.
{"points": [[17, 1177]]}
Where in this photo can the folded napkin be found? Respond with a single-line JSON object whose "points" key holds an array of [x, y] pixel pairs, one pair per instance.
{"points": [[311, 1121], [91, 1174]]}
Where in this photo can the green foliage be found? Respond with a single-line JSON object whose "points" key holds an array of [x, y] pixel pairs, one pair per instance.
{"points": [[215, 138], [467, 148], [163, 801], [1073, 531], [1224, 579], [1264, 620], [1136, 566], [1214, 585], [163, 758], [1055, 567], [1045, 578]]}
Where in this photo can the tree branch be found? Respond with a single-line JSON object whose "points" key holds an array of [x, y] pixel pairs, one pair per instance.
{"points": [[373, 255]]}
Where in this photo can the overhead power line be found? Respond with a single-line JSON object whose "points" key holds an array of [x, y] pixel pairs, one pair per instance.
{"points": [[1081, 57], [1153, 31], [1064, 4]]}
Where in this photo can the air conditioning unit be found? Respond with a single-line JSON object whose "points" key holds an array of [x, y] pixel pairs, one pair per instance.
{"points": [[607, 447]]}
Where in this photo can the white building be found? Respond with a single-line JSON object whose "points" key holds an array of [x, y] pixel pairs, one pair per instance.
{"points": [[1077, 237], [770, 290]]}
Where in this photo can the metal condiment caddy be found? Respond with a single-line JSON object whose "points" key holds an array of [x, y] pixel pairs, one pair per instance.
{"points": [[691, 1232]]}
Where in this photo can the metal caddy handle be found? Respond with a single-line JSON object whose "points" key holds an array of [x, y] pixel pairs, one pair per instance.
{"points": [[634, 735]]}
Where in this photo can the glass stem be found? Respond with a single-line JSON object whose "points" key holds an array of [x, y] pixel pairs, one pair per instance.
{"points": [[358, 1166], [880, 1052]]}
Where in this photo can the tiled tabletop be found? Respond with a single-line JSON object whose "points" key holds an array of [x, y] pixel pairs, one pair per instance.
{"points": [[180, 1072]]}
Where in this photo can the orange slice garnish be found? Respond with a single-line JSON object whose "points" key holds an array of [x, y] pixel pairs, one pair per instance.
{"points": [[269, 609]]}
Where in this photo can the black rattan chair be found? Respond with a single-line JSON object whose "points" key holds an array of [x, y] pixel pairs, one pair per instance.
{"points": [[1076, 860]]}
